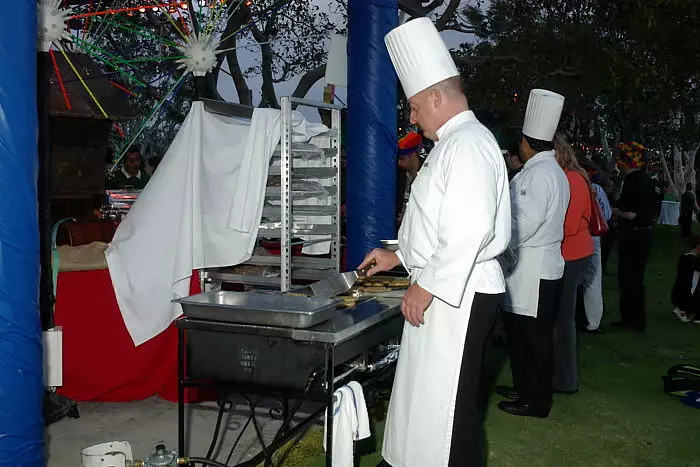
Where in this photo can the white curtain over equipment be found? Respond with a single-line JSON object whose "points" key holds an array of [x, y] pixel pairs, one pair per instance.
{"points": [[200, 210], [179, 222]]}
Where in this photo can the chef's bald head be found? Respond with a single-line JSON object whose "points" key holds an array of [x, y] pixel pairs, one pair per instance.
{"points": [[453, 88], [434, 106]]}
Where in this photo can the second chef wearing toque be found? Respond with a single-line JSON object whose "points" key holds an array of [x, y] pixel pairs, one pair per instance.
{"points": [[457, 223], [539, 199]]}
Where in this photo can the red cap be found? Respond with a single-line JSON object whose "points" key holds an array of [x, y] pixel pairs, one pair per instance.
{"points": [[410, 142]]}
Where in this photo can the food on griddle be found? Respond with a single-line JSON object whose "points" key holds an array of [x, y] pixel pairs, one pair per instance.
{"points": [[347, 301], [374, 289], [400, 283]]}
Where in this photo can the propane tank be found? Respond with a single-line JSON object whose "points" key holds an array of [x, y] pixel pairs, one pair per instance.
{"points": [[161, 458]]}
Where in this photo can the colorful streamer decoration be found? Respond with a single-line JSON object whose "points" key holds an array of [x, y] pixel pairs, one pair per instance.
{"points": [[60, 79], [83, 28]]}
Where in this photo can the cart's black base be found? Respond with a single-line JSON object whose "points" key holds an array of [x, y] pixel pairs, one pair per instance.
{"points": [[218, 358]]}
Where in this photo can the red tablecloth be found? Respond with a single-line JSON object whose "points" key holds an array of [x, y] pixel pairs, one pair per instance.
{"points": [[100, 361]]}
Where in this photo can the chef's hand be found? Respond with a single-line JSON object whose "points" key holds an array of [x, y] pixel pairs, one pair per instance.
{"points": [[415, 302], [384, 260]]}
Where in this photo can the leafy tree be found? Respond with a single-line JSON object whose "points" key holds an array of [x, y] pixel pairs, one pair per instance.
{"points": [[627, 68]]}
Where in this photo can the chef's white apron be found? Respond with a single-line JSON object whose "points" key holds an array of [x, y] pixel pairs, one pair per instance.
{"points": [[419, 422], [523, 282]]}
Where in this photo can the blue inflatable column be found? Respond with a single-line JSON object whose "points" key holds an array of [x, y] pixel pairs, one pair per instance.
{"points": [[371, 146], [21, 385]]}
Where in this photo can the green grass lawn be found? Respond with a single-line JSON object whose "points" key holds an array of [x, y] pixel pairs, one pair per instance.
{"points": [[621, 416]]}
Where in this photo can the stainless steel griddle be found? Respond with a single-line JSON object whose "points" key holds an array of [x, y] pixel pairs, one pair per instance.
{"points": [[258, 309]]}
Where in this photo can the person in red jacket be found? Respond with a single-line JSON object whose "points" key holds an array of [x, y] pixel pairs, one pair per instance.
{"points": [[576, 248]]}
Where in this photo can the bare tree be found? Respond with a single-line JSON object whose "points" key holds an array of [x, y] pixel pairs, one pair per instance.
{"points": [[291, 38], [293, 35]]}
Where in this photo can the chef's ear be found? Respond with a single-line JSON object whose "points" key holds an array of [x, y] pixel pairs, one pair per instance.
{"points": [[435, 97]]}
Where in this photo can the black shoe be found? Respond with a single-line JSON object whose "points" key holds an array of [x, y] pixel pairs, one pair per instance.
{"points": [[522, 409], [507, 392], [593, 331]]}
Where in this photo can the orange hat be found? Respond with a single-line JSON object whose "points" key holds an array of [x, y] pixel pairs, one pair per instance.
{"points": [[631, 155], [411, 142]]}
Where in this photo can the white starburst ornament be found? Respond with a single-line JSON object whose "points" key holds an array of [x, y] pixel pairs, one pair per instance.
{"points": [[52, 18], [200, 55]]}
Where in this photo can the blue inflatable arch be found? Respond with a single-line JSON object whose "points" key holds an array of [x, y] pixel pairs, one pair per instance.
{"points": [[21, 385]]}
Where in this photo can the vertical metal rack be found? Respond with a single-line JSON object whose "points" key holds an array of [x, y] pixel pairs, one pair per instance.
{"points": [[302, 209]]}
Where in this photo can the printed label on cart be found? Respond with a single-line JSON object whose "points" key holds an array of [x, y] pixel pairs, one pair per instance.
{"points": [[247, 360]]}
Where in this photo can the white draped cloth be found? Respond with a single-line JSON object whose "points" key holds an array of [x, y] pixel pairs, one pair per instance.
{"points": [[200, 210]]}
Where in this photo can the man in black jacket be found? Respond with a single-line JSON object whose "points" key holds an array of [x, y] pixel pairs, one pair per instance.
{"points": [[635, 217]]}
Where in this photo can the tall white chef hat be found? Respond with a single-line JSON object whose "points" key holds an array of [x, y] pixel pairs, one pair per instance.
{"points": [[542, 115], [419, 55]]}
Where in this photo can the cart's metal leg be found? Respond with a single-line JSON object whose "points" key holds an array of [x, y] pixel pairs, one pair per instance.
{"points": [[330, 376], [181, 393], [286, 419]]}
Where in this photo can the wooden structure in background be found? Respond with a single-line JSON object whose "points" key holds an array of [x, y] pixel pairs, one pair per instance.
{"points": [[79, 135]]}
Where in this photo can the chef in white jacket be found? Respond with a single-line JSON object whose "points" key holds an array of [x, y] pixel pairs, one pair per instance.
{"points": [[539, 199], [457, 223]]}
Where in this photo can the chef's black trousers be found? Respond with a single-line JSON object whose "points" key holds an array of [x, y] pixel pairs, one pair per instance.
{"points": [[530, 345], [468, 440], [633, 249]]}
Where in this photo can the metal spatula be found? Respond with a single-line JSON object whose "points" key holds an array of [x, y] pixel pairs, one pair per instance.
{"points": [[337, 283], [334, 285]]}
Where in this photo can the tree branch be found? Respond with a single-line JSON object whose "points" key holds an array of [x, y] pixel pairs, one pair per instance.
{"points": [[430, 7], [234, 67], [269, 97], [460, 28], [564, 72], [193, 17], [447, 15], [477, 59], [307, 81]]}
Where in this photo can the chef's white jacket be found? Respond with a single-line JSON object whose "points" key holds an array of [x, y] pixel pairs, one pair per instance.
{"points": [[539, 199], [457, 223], [464, 217]]}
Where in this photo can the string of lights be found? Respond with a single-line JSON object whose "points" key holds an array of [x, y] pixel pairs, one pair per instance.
{"points": [[133, 9]]}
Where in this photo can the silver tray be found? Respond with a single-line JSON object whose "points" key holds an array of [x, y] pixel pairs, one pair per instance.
{"points": [[260, 309]]}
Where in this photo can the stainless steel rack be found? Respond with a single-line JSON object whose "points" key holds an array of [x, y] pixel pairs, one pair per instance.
{"points": [[302, 207]]}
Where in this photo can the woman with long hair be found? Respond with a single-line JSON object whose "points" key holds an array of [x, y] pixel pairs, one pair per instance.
{"points": [[577, 247]]}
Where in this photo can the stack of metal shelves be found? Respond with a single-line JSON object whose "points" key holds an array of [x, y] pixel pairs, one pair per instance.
{"points": [[301, 212]]}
